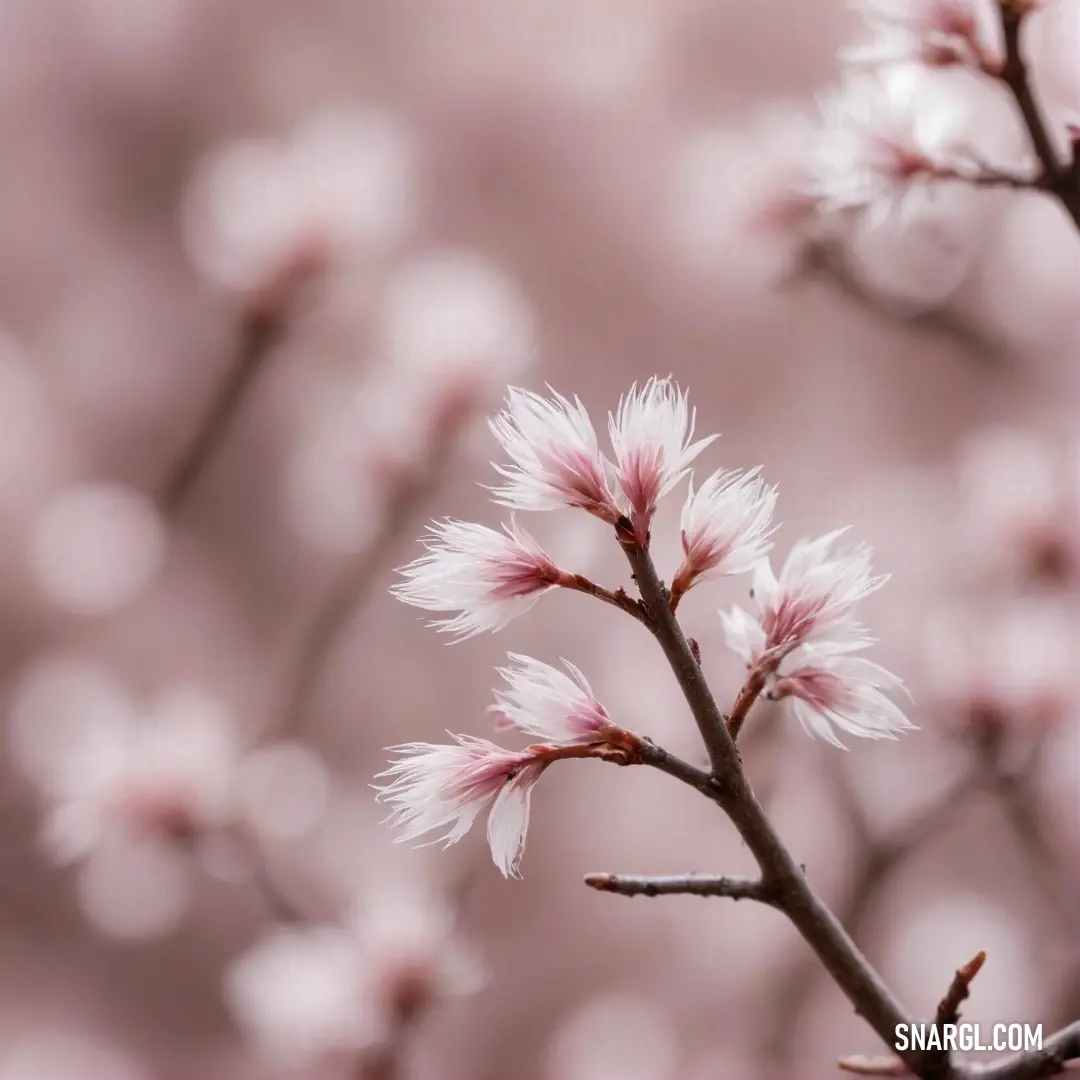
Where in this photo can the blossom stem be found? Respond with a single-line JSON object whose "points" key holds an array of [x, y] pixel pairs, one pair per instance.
{"points": [[260, 331], [617, 598], [736, 888], [744, 701]]}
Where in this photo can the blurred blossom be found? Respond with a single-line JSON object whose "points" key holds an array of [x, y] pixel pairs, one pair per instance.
{"points": [[882, 138], [262, 213], [56, 1054], [132, 888], [730, 187], [30, 448], [1014, 667], [303, 993], [61, 709], [616, 1036], [934, 32], [96, 547], [453, 320], [1020, 506], [165, 777], [297, 994], [282, 789], [333, 494]]}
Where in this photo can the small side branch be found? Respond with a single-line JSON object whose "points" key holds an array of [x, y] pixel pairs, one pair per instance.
{"points": [[615, 597], [948, 1010], [873, 1066], [735, 888]]}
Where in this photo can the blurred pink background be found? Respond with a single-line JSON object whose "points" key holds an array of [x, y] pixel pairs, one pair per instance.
{"points": [[580, 193]]}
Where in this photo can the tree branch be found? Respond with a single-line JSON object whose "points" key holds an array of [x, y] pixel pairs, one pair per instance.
{"points": [[260, 331], [1061, 180], [616, 598], [735, 888], [862, 985], [1058, 1049]]}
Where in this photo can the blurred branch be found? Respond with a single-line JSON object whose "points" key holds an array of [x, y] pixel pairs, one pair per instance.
{"points": [[1059, 179], [736, 888], [824, 259], [347, 594], [260, 331]]}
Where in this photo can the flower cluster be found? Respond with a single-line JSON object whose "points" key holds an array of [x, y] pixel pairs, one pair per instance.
{"points": [[900, 119], [799, 644]]}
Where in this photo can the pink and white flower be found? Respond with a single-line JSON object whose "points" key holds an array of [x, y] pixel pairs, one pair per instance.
{"points": [[541, 701], [725, 527], [167, 777], [487, 577], [811, 601], [445, 787], [830, 690], [883, 135], [556, 457], [934, 32], [303, 993], [651, 433]]}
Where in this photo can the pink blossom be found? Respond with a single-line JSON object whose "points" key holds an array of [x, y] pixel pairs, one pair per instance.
{"points": [[811, 601], [556, 456], [487, 577], [651, 433], [881, 135], [301, 993], [540, 700], [725, 527], [934, 32], [444, 787], [830, 690], [167, 777]]}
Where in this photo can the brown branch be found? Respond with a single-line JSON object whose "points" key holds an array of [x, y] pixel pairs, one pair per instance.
{"points": [[824, 260], [1057, 1050], [948, 1010], [616, 598], [735, 888], [862, 985], [260, 331], [744, 702], [877, 861], [1057, 178]]}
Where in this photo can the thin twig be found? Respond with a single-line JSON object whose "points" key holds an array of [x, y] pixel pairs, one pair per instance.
{"points": [[260, 331], [734, 888], [617, 597]]}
